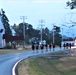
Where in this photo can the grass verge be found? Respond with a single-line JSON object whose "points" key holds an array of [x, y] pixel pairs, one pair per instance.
{"points": [[44, 66], [18, 50], [10, 51]]}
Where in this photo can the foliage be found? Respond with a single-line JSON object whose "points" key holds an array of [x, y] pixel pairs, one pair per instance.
{"points": [[71, 4], [56, 29], [5, 22], [57, 36], [31, 33], [58, 39], [8, 47], [27, 38]]}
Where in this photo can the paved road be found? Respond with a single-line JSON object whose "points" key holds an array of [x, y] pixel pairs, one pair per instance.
{"points": [[7, 61]]}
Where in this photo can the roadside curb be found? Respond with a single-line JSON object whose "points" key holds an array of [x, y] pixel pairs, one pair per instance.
{"points": [[14, 67]]}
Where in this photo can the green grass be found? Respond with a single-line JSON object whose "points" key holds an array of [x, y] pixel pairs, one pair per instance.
{"points": [[45, 66], [57, 53], [41, 66]]}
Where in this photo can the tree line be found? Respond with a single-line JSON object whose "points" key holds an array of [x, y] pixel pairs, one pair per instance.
{"points": [[30, 32]]}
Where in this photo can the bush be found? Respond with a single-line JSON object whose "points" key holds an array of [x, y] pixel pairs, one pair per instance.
{"points": [[8, 47]]}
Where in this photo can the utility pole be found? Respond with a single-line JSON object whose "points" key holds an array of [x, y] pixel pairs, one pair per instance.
{"points": [[53, 34], [41, 24], [23, 18], [62, 35]]}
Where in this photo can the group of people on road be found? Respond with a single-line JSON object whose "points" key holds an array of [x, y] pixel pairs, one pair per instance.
{"points": [[67, 45], [37, 46]]}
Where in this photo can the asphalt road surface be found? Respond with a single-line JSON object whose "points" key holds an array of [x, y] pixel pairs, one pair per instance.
{"points": [[7, 61]]}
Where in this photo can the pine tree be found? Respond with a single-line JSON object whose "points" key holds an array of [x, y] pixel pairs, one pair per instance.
{"points": [[5, 22]]}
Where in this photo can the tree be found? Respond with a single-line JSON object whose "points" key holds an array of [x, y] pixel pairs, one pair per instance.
{"points": [[72, 4], [14, 27], [58, 39], [46, 35], [29, 31], [56, 29], [5, 22], [57, 36]]}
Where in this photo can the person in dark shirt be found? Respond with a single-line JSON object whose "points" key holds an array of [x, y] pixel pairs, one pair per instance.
{"points": [[33, 46], [50, 46], [70, 45], [64, 45], [67, 45], [53, 47], [46, 46], [41, 46], [60, 45], [37, 47]]}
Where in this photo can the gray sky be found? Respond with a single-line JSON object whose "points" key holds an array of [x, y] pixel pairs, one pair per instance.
{"points": [[51, 11]]}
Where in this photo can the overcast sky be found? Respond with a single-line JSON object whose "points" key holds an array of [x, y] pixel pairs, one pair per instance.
{"points": [[51, 11]]}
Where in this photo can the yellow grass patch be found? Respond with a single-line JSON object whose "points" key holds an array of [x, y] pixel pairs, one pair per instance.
{"points": [[67, 63], [22, 70]]}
